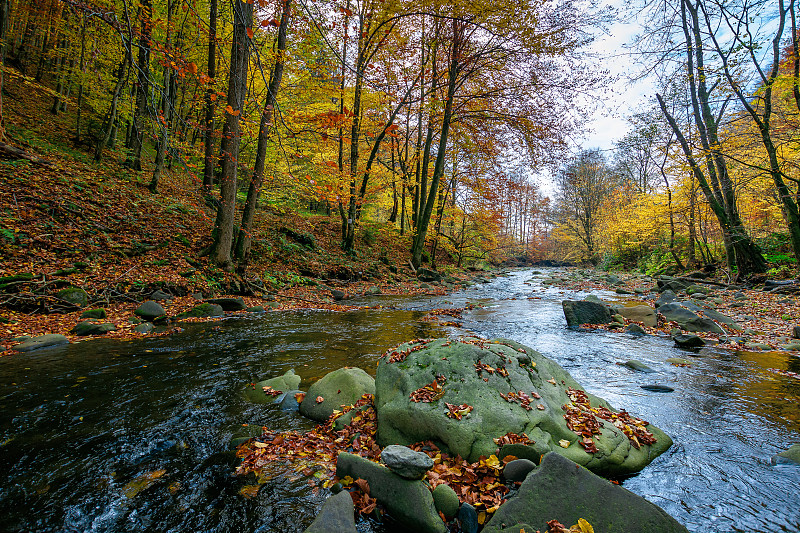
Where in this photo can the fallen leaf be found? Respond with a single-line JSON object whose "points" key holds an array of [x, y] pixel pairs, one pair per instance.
{"points": [[320, 399]]}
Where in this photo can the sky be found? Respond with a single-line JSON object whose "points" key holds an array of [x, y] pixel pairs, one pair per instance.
{"points": [[611, 104], [623, 97]]}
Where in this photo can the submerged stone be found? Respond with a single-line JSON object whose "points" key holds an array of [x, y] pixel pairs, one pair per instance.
{"points": [[657, 388], [633, 364], [792, 455]]}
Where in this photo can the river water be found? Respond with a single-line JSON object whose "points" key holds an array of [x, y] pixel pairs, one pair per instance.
{"points": [[132, 436]]}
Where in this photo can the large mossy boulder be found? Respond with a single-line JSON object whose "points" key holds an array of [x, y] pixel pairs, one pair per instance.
{"points": [[74, 295], [333, 391], [203, 310], [585, 312], [561, 490], [483, 375], [409, 502], [289, 381], [687, 319]]}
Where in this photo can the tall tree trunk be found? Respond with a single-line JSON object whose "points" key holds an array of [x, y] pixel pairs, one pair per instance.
{"points": [[209, 160], [164, 118], [244, 237], [342, 82], [349, 224], [4, 8], [82, 66], [237, 89], [111, 118], [134, 160], [453, 71], [742, 253]]}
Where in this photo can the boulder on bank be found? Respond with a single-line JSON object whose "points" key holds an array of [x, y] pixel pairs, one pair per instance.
{"points": [[336, 515], [666, 297], [561, 490], [428, 275], [409, 502], [510, 388], [84, 329], [287, 382], [150, 310], [74, 295], [339, 388], [672, 284], [229, 304], [205, 310], [688, 320], [585, 312]]}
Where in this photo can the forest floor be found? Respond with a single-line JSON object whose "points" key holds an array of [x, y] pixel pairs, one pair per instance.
{"points": [[764, 320], [73, 222]]}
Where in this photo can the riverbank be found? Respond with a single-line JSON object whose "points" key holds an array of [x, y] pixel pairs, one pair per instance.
{"points": [[70, 222], [329, 295], [760, 320]]}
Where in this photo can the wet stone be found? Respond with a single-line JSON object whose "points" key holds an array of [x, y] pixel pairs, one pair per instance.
{"points": [[518, 469], [405, 462], [657, 388]]}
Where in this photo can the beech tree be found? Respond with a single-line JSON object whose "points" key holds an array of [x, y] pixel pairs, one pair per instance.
{"points": [[683, 24]]}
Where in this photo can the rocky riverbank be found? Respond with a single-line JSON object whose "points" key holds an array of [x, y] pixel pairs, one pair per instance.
{"points": [[733, 317], [85, 314]]}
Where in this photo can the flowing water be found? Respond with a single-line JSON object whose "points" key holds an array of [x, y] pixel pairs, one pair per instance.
{"points": [[132, 436]]}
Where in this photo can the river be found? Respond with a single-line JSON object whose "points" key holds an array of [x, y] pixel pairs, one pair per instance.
{"points": [[132, 436]]}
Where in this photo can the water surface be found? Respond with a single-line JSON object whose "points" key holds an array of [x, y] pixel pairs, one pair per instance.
{"points": [[83, 427]]}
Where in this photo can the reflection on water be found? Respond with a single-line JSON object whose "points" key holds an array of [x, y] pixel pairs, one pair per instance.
{"points": [[86, 430]]}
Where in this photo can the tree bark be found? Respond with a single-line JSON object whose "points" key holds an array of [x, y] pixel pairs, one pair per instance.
{"points": [[209, 160], [134, 160], [244, 237], [237, 89], [438, 169]]}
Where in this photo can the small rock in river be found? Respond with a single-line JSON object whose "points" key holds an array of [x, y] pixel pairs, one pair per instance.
{"points": [[792, 455], [633, 364], [688, 341], [657, 388], [679, 361]]}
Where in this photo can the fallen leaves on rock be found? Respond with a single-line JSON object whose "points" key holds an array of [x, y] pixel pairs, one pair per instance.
{"points": [[457, 411], [269, 391], [430, 392], [582, 418], [513, 438]]}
